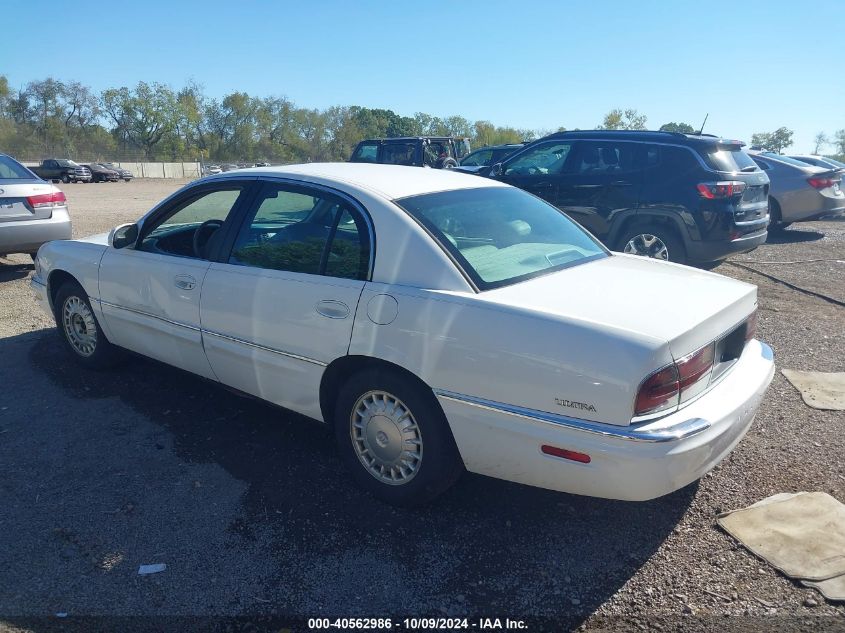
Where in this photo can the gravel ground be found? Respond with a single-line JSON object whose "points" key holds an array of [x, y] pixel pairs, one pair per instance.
{"points": [[249, 508]]}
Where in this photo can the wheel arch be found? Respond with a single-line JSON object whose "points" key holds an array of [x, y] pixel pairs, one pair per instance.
{"points": [[340, 369], [661, 217], [55, 280]]}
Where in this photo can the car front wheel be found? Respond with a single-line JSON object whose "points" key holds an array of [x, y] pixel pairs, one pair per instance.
{"points": [[79, 329], [394, 438]]}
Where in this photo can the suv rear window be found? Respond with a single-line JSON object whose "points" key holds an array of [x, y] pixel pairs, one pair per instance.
{"points": [[12, 169], [729, 159]]}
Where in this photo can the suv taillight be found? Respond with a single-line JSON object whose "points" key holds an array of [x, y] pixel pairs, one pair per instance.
{"points": [[821, 183], [55, 199], [724, 189]]}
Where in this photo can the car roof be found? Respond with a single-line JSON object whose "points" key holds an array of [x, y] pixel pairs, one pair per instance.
{"points": [[390, 181], [653, 136]]}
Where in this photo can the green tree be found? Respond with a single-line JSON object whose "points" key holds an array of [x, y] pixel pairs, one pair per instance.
{"points": [[682, 128], [775, 141], [839, 141], [143, 116], [821, 139], [628, 119]]}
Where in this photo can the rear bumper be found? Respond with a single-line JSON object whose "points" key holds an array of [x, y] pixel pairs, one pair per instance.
{"points": [[700, 251], [29, 235], [627, 463]]}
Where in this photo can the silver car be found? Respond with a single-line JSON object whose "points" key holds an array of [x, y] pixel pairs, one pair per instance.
{"points": [[32, 211], [799, 192], [819, 161]]}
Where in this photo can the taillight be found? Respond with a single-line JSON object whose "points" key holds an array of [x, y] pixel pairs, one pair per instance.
{"points": [[694, 371], [677, 383], [724, 189], [751, 326], [821, 183], [55, 199], [658, 392]]}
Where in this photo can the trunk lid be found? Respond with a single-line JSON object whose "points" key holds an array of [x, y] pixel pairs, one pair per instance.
{"points": [[682, 306], [13, 200]]}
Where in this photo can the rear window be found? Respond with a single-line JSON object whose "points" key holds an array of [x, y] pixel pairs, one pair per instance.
{"points": [[11, 169], [502, 235], [728, 159]]}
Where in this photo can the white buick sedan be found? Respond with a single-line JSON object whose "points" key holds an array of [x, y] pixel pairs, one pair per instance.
{"points": [[438, 321]]}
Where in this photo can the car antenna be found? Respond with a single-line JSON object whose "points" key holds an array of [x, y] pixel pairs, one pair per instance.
{"points": [[701, 129]]}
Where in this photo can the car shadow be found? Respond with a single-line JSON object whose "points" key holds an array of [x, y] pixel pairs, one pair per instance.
{"points": [[12, 271], [501, 548], [793, 235]]}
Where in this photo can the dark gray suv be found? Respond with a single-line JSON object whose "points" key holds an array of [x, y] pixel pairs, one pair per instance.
{"points": [[686, 198]]}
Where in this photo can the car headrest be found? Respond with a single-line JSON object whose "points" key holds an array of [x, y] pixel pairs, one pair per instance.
{"points": [[608, 156]]}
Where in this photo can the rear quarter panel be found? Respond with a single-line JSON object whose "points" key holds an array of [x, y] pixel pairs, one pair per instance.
{"points": [[515, 356]]}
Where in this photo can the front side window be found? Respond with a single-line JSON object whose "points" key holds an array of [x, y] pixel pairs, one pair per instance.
{"points": [[479, 158], [296, 231], [502, 235], [188, 230], [543, 159], [366, 153]]}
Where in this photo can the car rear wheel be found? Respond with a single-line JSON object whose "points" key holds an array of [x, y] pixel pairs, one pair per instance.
{"points": [[776, 223], [394, 438], [653, 240], [80, 330]]}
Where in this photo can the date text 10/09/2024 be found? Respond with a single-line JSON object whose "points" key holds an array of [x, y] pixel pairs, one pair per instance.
{"points": [[416, 624]]}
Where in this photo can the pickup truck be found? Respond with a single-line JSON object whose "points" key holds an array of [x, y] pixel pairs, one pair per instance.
{"points": [[53, 169]]}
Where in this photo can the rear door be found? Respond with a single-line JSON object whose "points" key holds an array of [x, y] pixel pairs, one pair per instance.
{"points": [[604, 180], [538, 169], [280, 306]]}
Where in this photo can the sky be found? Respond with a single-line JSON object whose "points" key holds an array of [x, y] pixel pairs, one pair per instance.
{"points": [[753, 66]]}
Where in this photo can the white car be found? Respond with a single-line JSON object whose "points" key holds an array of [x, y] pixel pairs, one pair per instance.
{"points": [[437, 320]]}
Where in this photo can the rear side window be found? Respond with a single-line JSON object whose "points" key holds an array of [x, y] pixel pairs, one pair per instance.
{"points": [[727, 159], [10, 169], [601, 157]]}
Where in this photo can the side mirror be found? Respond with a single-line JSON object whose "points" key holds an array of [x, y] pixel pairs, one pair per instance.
{"points": [[123, 236], [496, 170]]}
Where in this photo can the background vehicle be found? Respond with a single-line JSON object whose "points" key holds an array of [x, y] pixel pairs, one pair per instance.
{"points": [[487, 156], [686, 198], [298, 307], [123, 174], [55, 169], [438, 152], [211, 170], [32, 211], [819, 161], [102, 174], [800, 192], [228, 167]]}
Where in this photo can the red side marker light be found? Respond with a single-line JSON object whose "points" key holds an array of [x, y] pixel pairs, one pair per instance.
{"points": [[554, 451]]}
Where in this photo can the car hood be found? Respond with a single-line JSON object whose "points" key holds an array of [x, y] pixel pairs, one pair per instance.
{"points": [[684, 307]]}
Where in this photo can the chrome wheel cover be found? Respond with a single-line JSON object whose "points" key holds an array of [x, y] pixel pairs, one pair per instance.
{"points": [[79, 326], [386, 438], [647, 245]]}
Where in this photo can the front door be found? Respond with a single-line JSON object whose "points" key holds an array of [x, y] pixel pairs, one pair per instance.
{"points": [[280, 306], [538, 169], [605, 179], [150, 292]]}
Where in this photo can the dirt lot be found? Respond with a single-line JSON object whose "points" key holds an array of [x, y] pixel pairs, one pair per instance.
{"points": [[249, 508]]}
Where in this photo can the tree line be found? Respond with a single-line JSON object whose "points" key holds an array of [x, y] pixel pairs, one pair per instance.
{"points": [[153, 121]]}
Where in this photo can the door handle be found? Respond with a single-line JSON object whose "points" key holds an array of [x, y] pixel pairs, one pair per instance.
{"points": [[332, 309], [185, 282], [621, 183], [587, 186]]}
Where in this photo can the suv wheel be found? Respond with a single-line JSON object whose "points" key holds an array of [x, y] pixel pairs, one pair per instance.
{"points": [[653, 240], [394, 438], [66, 179]]}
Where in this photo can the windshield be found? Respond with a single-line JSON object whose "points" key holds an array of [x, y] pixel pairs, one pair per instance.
{"points": [[502, 235], [786, 159], [728, 159], [66, 163], [10, 169]]}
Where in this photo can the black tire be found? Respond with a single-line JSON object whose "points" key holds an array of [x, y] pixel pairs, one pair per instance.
{"points": [[66, 179], [104, 354], [448, 163], [776, 223], [674, 245], [439, 465]]}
